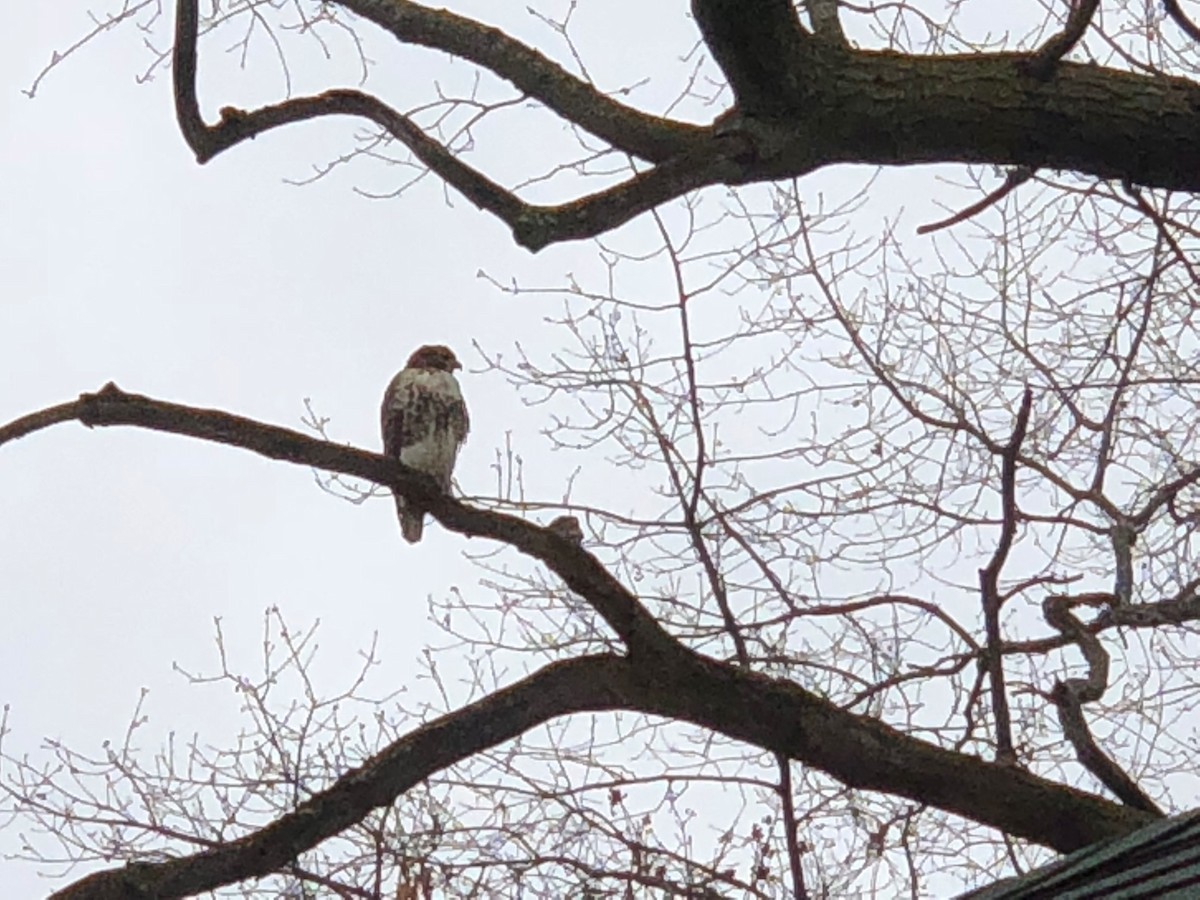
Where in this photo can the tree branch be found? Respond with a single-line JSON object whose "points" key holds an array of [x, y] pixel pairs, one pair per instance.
{"points": [[640, 134], [864, 753], [759, 46], [989, 582], [1014, 179], [579, 569], [765, 712], [1070, 694], [825, 21], [1179, 17], [1047, 57], [804, 105], [589, 683], [660, 676]]}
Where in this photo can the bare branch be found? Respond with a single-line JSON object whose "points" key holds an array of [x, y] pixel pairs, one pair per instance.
{"points": [[661, 677], [989, 582], [1070, 695], [578, 568], [649, 137], [1047, 57], [1180, 18], [1012, 181], [803, 108], [826, 23], [558, 689]]}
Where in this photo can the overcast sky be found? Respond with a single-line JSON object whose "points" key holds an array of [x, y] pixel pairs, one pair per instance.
{"points": [[122, 259], [223, 286]]}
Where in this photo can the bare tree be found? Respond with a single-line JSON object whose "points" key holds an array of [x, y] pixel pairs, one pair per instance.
{"points": [[909, 593]]}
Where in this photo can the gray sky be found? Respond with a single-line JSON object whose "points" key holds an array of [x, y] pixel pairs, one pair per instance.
{"points": [[220, 286], [122, 259]]}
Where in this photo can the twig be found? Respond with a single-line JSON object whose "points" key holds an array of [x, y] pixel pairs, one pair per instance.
{"points": [[1016, 176]]}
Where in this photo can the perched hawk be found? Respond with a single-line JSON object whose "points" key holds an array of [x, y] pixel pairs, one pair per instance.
{"points": [[424, 424], [567, 528]]}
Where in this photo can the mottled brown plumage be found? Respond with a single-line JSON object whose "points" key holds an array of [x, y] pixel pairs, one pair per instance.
{"points": [[424, 423], [567, 528]]}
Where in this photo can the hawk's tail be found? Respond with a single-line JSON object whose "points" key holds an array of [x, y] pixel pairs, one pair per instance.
{"points": [[412, 522]]}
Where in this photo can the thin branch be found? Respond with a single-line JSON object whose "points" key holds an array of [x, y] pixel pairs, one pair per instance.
{"points": [[787, 797], [989, 583], [640, 134], [1015, 178], [689, 501], [1180, 18], [1047, 57], [825, 21]]}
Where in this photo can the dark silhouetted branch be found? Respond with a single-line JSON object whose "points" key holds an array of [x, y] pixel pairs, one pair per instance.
{"points": [[758, 44], [1179, 17], [804, 104], [578, 685], [1047, 57], [659, 677], [578, 568], [1015, 178], [1070, 695], [989, 582], [640, 134]]}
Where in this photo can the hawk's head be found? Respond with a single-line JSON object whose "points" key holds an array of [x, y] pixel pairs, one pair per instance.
{"points": [[567, 528], [434, 356]]}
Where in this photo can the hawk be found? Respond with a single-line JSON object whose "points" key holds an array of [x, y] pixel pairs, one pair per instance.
{"points": [[567, 528], [424, 423]]}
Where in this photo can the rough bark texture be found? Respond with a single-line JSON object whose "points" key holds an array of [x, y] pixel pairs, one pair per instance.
{"points": [[658, 675], [801, 104]]}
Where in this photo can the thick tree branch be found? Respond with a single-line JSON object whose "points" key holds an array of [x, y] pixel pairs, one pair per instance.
{"points": [[768, 713], [578, 568], [589, 683], [533, 226], [663, 677], [759, 46], [805, 105], [864, 753], [640, 134]]}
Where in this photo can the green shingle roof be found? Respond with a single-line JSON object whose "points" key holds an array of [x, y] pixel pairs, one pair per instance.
{"points": [[1160, 861]]}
